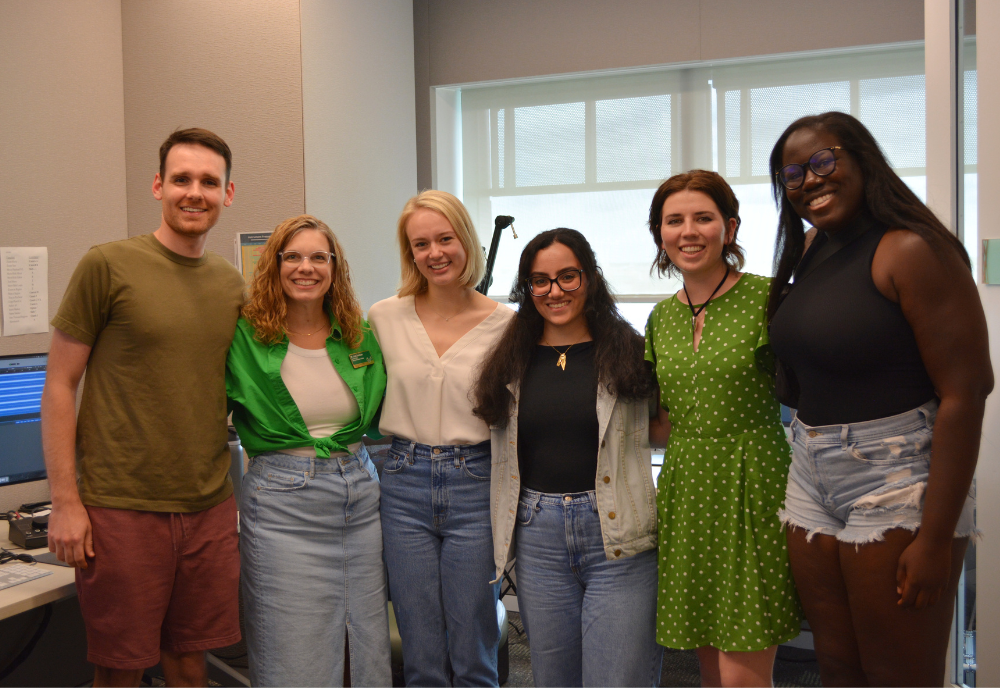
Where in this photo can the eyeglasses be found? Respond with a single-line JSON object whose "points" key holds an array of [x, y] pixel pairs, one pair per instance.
{"points": [[569, 280], [822, 163], [316, 258]]}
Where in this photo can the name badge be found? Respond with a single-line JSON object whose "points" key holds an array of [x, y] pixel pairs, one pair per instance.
{"points": [[361, 359]]}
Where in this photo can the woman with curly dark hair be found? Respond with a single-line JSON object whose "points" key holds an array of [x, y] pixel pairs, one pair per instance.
{"points": [[567, 395], [305, 378], [883, 339]]}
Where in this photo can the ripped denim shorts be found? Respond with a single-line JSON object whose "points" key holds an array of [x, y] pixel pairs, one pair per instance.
{"points": [[857, 481]]}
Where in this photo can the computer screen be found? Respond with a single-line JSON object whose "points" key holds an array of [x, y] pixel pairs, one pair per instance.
{"points": [[21, 380]]}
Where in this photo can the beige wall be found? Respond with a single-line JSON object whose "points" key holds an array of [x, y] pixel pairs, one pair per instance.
{"points": [[90, 88], [458, 41], [360, 148], [62, 146], [988, 474], [62, 139], [227, 65]]}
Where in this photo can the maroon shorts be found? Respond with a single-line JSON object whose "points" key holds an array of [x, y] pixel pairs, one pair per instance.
{"points": [[159, 581]]}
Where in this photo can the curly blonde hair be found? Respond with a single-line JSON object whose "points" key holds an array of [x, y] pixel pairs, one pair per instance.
{"points": [[410, 280], [265, 307]]}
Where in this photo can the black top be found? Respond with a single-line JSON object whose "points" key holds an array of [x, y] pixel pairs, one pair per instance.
{"points": [[557, 421], [853, 352]]}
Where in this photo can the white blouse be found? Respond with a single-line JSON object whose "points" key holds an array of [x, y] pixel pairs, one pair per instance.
{"points": [[428, 398]]}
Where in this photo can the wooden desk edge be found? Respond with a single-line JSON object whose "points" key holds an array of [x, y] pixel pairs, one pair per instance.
{"points": [[37, 598]]}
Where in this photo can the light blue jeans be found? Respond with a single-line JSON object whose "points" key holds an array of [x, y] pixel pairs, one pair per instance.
{"points": [[439, 552], [311, 553], [590, 621]]}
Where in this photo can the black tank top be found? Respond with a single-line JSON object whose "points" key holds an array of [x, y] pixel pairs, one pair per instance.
{"points": [[851, 349]]}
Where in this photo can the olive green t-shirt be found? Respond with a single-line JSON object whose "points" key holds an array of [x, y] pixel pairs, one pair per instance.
{"points": [[151, 433]]}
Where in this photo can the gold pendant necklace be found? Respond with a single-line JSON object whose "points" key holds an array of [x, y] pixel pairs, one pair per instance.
{"points": [[561, 362]]}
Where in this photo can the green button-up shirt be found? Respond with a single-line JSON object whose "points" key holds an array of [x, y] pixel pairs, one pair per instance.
{"points": [[264, 413]]}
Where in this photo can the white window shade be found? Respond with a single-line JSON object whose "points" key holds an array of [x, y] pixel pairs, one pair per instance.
{"points": [[895, 111], [772, 109], [549, 144], [971, 115], [732, 137], [587, 152], [633, 138]]}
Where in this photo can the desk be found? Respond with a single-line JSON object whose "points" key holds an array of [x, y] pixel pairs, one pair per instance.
{"points": [[36, 593], [60, 658], [42, 636]]}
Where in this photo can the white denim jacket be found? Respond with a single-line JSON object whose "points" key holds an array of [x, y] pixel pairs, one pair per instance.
{"points": [[626, 500]]}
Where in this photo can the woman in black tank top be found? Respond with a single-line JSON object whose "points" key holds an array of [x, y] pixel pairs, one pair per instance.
{"points": [[884, 351]]}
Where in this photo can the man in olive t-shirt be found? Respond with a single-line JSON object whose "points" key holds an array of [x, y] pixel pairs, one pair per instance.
{"points": [[141, 499]]}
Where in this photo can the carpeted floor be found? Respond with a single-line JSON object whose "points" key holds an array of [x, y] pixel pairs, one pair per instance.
{"points": [[680, 667]]}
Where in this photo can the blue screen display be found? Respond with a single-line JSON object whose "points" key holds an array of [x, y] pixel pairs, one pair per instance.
{"points": [[21, 381]]}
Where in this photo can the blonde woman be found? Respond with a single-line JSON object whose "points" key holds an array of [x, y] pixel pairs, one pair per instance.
{"points": [[436, 482], [305, 378]]}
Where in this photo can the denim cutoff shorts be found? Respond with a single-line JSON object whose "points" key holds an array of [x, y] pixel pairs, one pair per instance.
{"points": [[858, 480]]}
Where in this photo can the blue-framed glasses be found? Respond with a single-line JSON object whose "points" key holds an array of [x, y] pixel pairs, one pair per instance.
{"points": [[822, 163]]}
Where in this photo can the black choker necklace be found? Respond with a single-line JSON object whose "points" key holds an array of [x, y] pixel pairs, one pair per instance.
{"points": [[694, 313]]}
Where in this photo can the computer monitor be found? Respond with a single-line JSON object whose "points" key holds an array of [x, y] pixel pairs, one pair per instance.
{"points": [[21, 380]]}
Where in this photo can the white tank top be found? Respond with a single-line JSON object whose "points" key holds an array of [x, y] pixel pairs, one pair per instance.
{"points": [[324, 399]]}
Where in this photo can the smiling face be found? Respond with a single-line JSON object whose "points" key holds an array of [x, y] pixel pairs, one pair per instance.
{"points": [[562, 310], [693, 232], [437, 252], [828, 203], [193, 189], [306, 282]]}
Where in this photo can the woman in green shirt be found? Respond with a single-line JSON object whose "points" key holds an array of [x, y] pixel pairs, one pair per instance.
{"points": [[305, 377]]}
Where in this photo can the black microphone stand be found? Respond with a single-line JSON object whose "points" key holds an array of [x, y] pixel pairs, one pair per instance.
{"points": [[501, 223]]}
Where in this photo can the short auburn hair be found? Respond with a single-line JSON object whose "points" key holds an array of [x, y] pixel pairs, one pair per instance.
{"points": [[198, 137], [410, 280], [715, 187]]}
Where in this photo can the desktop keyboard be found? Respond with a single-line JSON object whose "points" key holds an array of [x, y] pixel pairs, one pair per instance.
{"points": [[15, 574]]}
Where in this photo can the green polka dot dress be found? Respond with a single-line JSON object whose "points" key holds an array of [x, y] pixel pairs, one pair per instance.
{"points": [[724, 577]]}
